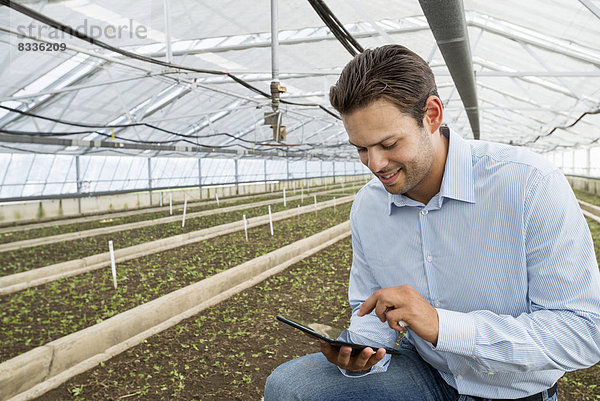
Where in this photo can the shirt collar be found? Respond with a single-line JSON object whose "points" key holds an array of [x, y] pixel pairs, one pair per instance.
{"points": [[457, 182]]}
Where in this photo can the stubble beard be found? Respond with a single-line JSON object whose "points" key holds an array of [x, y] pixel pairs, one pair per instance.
{"points": [[413, 173]]}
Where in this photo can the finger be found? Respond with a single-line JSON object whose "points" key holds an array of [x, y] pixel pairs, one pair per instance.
{"points": [[382, 308], [331, 353], [378, 356], [369, 304], [343, 358], [374, 358], [362, 359], [395, 320]]}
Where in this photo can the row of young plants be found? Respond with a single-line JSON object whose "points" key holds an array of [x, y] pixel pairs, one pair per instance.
{"points": [[587, 197], [152, 214], [20, 260], [35, 316], [111, 210], [227, 352]]}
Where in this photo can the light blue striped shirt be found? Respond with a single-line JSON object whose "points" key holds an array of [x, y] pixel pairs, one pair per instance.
{"points": [[503, 253]]}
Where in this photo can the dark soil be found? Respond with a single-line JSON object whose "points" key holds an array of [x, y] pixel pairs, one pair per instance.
{"points": [[150, 215], [30, 258], [226, 352], [38, 315]]}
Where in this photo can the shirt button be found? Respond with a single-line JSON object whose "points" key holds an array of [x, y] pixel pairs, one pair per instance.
{"points": [[459, 377], [437, 304], [424, 212], [429, 258]]}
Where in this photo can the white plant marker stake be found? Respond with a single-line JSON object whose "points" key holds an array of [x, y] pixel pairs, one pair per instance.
{"points": [[184, 209], [270, 220], [284, 202], [246, 227], [217, 198], [334, 203], [161, 196], [298, 213], [112, 263], [315, 201], [170, 203]]}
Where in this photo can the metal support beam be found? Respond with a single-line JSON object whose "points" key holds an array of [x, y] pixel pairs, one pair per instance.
{"points": [[200, 175], [237, 179], [515, 32], [591, 6], [150, 179]]}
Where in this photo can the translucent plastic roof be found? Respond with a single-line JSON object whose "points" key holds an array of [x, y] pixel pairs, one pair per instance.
{"points": [[537, 68]]}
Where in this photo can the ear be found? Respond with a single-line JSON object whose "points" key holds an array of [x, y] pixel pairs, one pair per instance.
{"points": [[434, 114]]}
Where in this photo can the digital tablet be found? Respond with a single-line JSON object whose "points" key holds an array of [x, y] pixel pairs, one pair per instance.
{"points": [[337, 337]]}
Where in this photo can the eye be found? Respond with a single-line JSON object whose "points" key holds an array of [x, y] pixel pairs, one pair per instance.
{"points": [[361, 150], [388, 147]]}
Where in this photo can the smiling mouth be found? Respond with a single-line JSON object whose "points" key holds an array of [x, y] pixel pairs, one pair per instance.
{"points": [[389, 178]]}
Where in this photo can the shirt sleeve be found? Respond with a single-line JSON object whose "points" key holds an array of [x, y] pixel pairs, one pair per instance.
{"points": [[361, 285], [561, 329]]}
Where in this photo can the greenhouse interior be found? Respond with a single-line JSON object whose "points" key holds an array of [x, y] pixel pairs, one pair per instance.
{"points": [[175, 179]]}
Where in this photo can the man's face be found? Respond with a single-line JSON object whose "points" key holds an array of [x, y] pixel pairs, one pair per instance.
{"points": [[392, 145]]}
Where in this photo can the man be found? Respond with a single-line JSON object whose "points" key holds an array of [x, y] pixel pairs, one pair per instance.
{"points": [[480, 250]]}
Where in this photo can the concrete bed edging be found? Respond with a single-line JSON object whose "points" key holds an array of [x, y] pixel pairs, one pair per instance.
{"points": [[41, 369], [41, 275]]}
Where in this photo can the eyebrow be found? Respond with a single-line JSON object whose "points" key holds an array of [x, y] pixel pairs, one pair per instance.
{"points": [[383, 140]]}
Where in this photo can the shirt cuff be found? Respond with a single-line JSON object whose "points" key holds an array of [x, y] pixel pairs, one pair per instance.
{"points": [[379, 367], [457, 332]]}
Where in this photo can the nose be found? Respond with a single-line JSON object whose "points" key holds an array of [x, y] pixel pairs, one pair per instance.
{"points": [[376, 160]]}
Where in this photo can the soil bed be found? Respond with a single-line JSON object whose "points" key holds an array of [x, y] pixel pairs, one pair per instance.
{"points": [[107, 222], [151, 215], [30, 258], [226, 352], [35, 316]]}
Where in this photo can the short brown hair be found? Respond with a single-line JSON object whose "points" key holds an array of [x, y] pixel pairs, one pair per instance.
{"points": [[390, 72]]}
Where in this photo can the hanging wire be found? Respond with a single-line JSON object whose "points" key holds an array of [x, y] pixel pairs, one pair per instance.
{"points": [[72, 32]]}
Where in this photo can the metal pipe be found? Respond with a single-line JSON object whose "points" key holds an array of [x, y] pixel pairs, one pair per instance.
{"points": [[274, 41], [169, 53], [449, 27]]}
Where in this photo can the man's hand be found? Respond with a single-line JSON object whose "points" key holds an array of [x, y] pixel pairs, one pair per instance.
{"points": [[342, 358], [404, 304]]}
